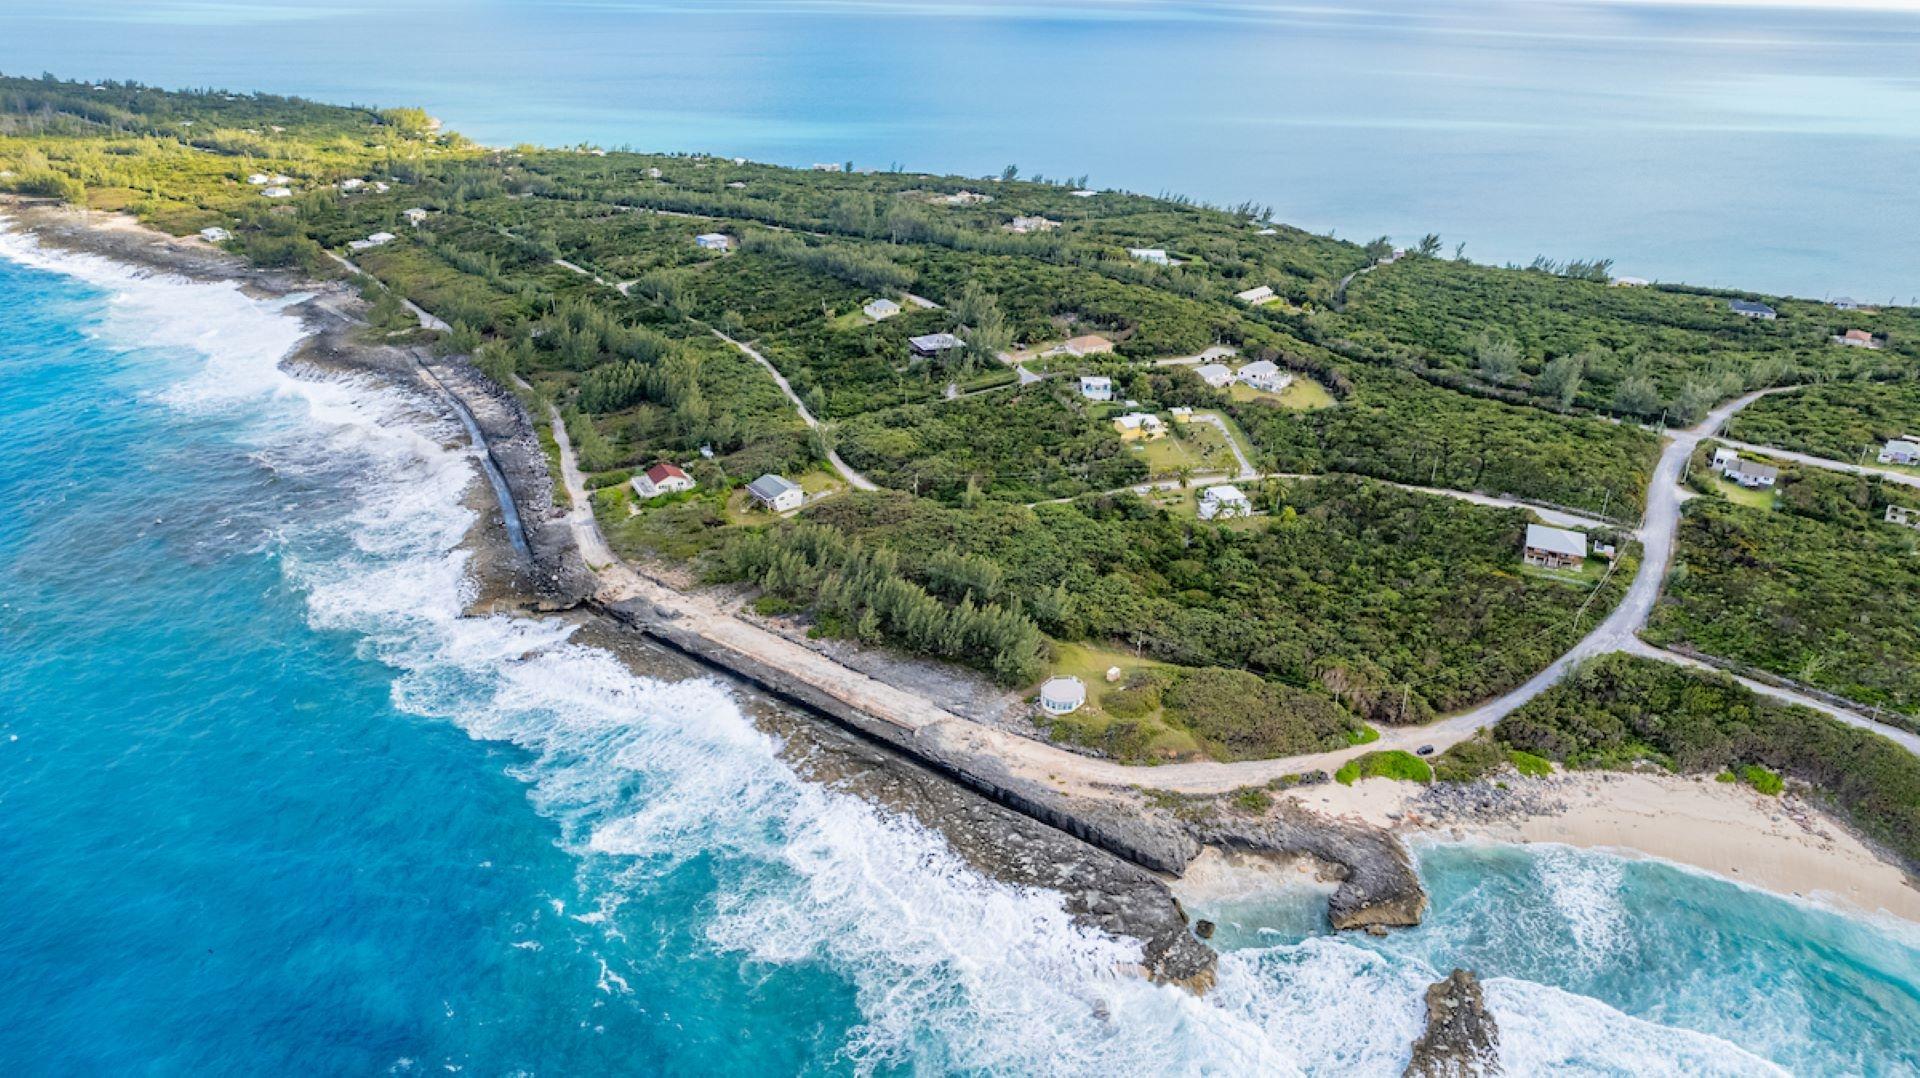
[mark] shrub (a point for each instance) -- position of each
(1391, 764)
(1472, 759)
(1763, 780)
(1537, 767)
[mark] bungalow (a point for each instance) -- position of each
(713, 241)
(1268, 232)
(929, 345)
(414, 216)
(1217, 375)
(1155, 255)
(1083, 193)
(1856, 338)
(1629, 282)
(353, 184)
(1139, 426)
(215, 235)
(1026, 376)
(1265, 375)
(1750, 475)
(1024, 225)
(1903, 516)
(778, 493)
(258, 179)
(1181, 414)
(276, 192)
(654, 174)
(965, 198)
(1747, 308)
(819, 167)
(1217, 503)
(662, 479)
(1847, 303)
(1063, 695)
(1902, 450)
(1095, 387)
(1088, 344)
(881, 309)
(736, 185)
(1554, 548)
(1254, 297)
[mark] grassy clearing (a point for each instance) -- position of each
(1391, 764)
(1761, 499)
(1119, 717)
(1304, 395)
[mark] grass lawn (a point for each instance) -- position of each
(1304, 395)
(1198, 446)
(1144, 738)
(817, 482)
(1586, 576)
(1761, 499)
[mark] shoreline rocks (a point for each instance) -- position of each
(1461, 1039)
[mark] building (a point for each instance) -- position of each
(662, 479)
(821, 167)
(1089, 344)
(966, 198)
(1902, 450)
(881, 309)
(1554, 548)
(1062, 695)
(1223, 501)
(353, 184)
(378, 239)
(258, 179)
(1139, 427)
(1083, 193)
(654, 174)
(1268, 232)
(1723, 458)
(1155, 255)
(713, 241)
(1096, 387)
(1903, 516)
(1847, 303)
(276, 192)
(932, 344)
(1750, 475)
(1265, 375)
(737, 185)
(1217, 375)
(1024, 225)
(1856, 338)
(1747, 308)
(1254, 297)
(414, 216)
(215, 235)
(1629, 282)
(1181, 414)
(778, 493)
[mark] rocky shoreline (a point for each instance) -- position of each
(1107, 856)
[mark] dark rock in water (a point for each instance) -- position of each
(1461, 1038)
(1204, 929)
(1380, 889)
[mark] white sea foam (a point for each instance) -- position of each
(1544, 1030)
(951, 970)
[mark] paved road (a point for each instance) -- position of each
(1889, 474)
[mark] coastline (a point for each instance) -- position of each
(1036, 835)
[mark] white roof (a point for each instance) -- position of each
(1251, 294)
(1260, 368)
(277, 192)
(1225, 492)
(1556, 541)
(1138, 419)
(711, 237)
(1064, 690)
(1910, 443)
(1147, 252)
(1083, 193)
(1096, 381)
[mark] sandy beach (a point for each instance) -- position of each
(1786, 844)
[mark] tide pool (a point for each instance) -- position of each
(273, 805)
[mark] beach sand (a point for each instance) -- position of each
(1782, 844)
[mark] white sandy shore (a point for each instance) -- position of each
(1784, 845)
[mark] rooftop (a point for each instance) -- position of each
(1571, 544)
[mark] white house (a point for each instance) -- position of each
(258, 179)
(1062, 695)
(1024, 225)
(1083, 193)
(1225, 500)
(778, 493)
(378, 239)
(1096, 387)
(1723, 458)
(966, 198)
(1750, 475)
(352, 184)
(1268, 232)
(1747, 308)
(1254, 297)
(1630, 282)
(712, 241)
(1264, 374)
(1847, 303)
(1217, 375)
(662, 479)
(215, 235)
(1902, 450)
(414, 216)
(1026, 376)
(928, 345)
(881, 309)
(1903, 516)
(819, 167)
(1554, 548)
(276, 192)
(1155, 255)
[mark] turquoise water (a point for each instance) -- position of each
(272, 805)
(1767, 149)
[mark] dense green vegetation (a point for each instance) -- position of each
(1819, 589)
(1618, 710)
(1838, 420)
(1390, 764)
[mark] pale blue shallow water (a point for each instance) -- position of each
(269, 804)
(1719, 145)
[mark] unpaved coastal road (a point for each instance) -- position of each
(935, 726)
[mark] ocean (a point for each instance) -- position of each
(1736, 146)
(272, 804)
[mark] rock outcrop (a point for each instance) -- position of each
(1461, 1038)
(1379, 890)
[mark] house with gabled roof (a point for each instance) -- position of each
(1554, 548)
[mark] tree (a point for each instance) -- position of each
(1379, 248)
(1636, 395)
(1499, 358)
(1560, 381)
(1429, 245)
(1010, 173)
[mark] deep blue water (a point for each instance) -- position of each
(270, 804)
(1766, 149)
